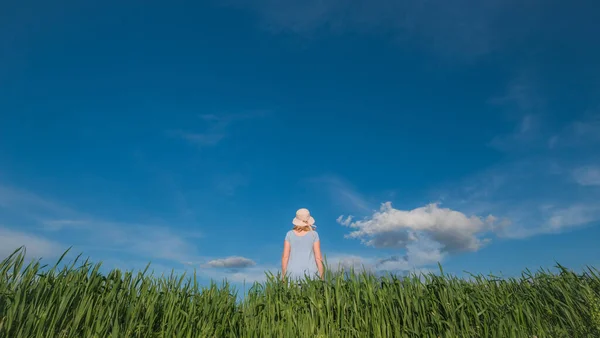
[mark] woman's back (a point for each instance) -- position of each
(302, 255)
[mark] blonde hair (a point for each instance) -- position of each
(303, 228)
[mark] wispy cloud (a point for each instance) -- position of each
(201, 139)
(587, 175)
(216, 128)
(52, 219)
(22, 201)
(584, 132)
(168, 185)
(342, 193)
(572, 216)
(36, 246)
(521, 96)
(225, 120)
(141, 240)
(60, 224)
(460, 28)
(539, 188)
(539, 192)
(536, 197)
(229, 184)
(525, 135)
(124, 244)
(523, 101)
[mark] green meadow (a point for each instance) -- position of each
(77, 300)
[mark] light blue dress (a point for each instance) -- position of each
(302, 256)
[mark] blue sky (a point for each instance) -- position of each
(188, 135)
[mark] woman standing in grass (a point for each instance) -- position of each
(302, 249)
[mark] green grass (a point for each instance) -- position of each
(78, 301)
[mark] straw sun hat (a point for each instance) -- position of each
(303, 218)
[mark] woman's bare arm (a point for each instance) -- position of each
(285, 257)
(318, 258)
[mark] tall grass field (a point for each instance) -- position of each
(76, 300)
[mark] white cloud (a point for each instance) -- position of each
(587, 175)
(425, 236)
(393, 228)
(234, 262)
(345, 222)
(424, 252)
(36, 246)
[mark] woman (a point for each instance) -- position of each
(302, 249)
